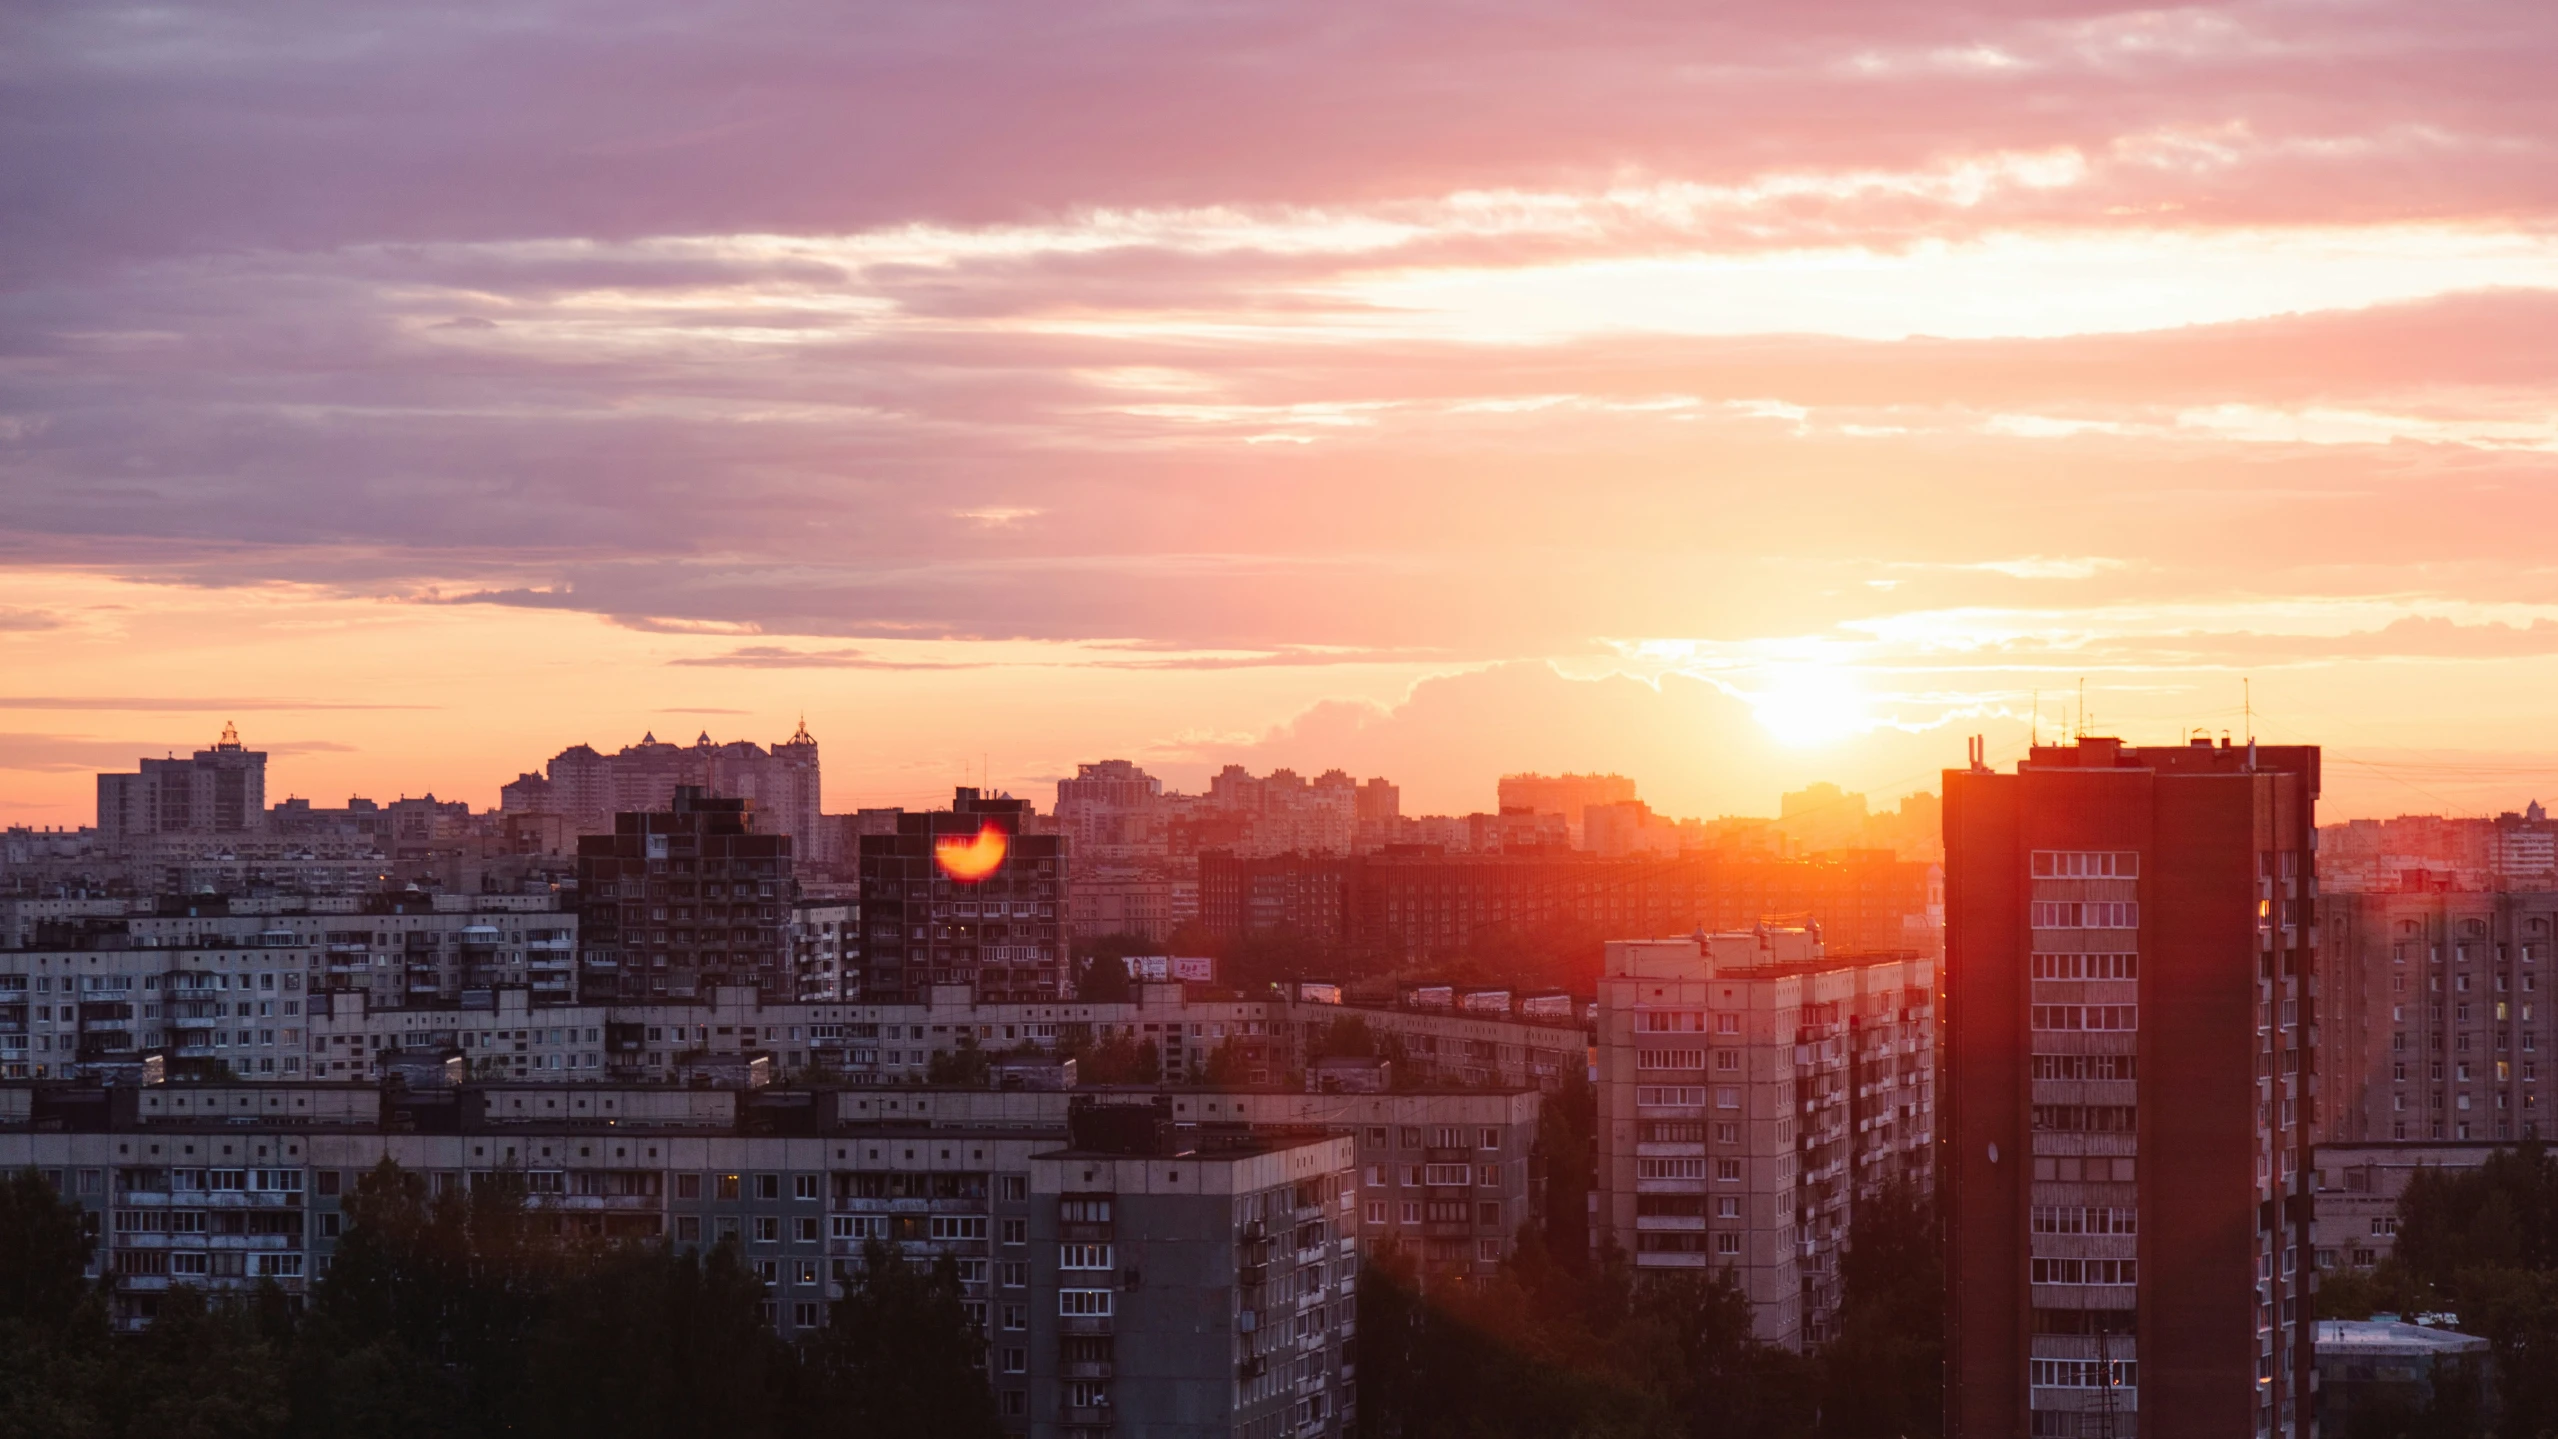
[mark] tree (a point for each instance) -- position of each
(1565, 1152)
(44, 1253)
(1348, 1035)
(1883, 1376)
(966, 1066)
(899, 1355)
(651, 1342)
(1228, 1066)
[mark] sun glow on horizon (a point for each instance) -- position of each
(1811, 706)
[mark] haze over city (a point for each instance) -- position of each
(1242, 720)
(1730, 402)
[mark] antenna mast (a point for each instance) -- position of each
(2247, 705)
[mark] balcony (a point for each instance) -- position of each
(1084, 1324)
(1085, 1369)
(1093, 1418)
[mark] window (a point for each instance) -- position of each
(1083, 1256)
(1488, 1138)
(727, 1188)
(2084, 864)
(959, 1226)
(2085, 1016)
(804, 1315)
(2085, 1271)
(2086, 966)
(1727, 1060)
(1727, 1171)
(1016, 1316)
(1013, 1274)
(768, 1230)
(803, 1186)
(1668, 1096)
(1411, 1211)
(768, 1186)
(1727, 1132)
(804, 1229)
(1374, 1212)
(1015, 1231)
(1084, 1303)
(688, 1186)
(1727, 1024)
(1669, 1059)
(1727, 1243)
(2084, 1373)
(858, 1226)
(1648, 1168)
(1440, 1174)
(2086, 914)
(1086, 1210)
(1670, 1022)
(1016, 1361)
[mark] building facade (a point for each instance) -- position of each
(675, 901)
(221, 790)
(589, 788)
(1752, 1089)
(2129, 1041)
(969, 896)
(2438, 1015)
(1421, 902)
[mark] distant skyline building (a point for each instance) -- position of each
(221, 790)
(1564, 794)
(590, 788)
(2128, 1092)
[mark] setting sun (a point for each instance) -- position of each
(1810, 706)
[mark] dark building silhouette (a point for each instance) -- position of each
(965, 895)
(1418, 901)
(2128, 1025)
(677, 900)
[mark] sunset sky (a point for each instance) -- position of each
(1731, 395)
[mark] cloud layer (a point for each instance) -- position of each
(1969, 347)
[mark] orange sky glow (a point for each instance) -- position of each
(1731, 399)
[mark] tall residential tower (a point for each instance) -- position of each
(2129, 1021)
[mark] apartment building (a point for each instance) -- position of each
(1445, 1175)
(968, 896)
(221, 790)
(1419, 901)
(1751, 1089)
(1202, 1287)
(825, 942)
(588, 788)
(1167, 1279)
(2438, 1015)
(2129, 1081)
(678, 900)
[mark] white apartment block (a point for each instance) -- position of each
(1750, 1087)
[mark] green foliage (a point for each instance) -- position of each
(1543, 1350)
(1347, 1036)
(1120, 1059)
(967, 1067)
(899, 1357)
(2481, 1242)
(42, 1253)
(1102, 980)
(1883, 1376)
(1227, 1066)
(1565, 1153)
(459, 1316)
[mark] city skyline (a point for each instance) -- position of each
(1157, 404)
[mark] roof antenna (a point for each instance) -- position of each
(2038, 718)
(2082, 709)
(2247, 703)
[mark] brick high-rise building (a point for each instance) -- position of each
(2128, 1086)
(589, 788)
(677, 900)
(966, 895)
